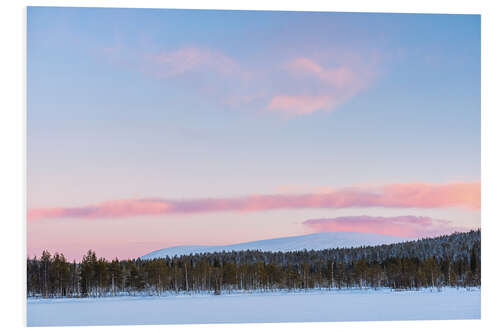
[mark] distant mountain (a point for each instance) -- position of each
(318, 241)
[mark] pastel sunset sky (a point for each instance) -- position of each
(150, 128)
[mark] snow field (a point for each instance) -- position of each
(271, 307)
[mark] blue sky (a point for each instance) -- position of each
(181, 104)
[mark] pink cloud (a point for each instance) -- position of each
(337, 85)
(340, 77)
(190, 59)
(433, 196)
(108, 209)
(414, 195)
(296, 188)
(299, 105)
(403, 226)
(303, 88)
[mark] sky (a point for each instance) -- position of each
(150, 128)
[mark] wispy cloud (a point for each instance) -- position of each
(293, 105)
(333, 87)
(291, 88)
(190, 59)
(340, 77)
(403, 226)
(413, 195)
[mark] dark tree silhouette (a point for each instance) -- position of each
(451, 260)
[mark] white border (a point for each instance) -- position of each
(13, 156)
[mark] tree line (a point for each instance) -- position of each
(451, 260)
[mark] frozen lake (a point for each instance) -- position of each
(345, 305)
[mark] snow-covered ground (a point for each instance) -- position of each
(317, 241)
(345, 305)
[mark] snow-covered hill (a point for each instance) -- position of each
(318, 241)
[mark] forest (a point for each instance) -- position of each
(451, 260)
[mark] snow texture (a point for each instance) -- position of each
(306, 306)
(318, 241)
